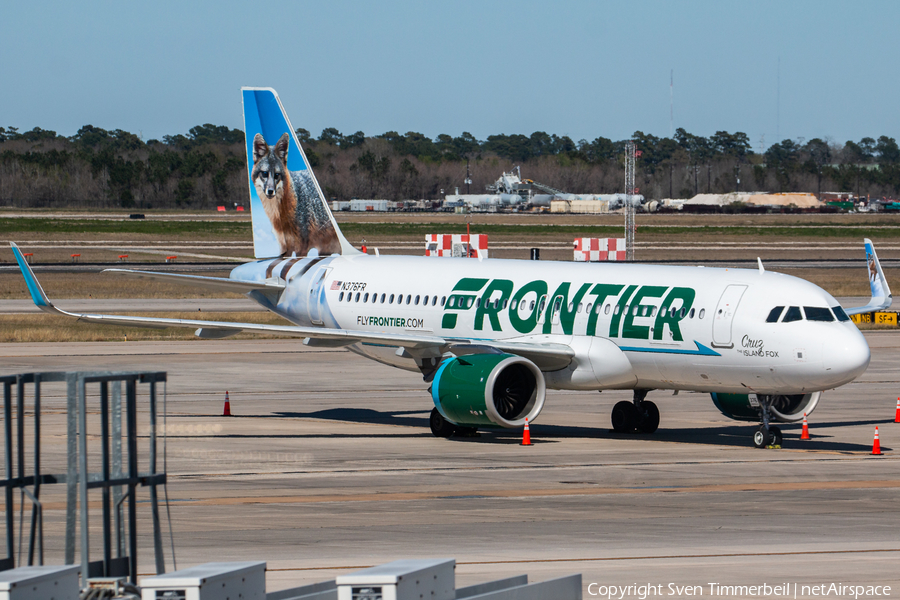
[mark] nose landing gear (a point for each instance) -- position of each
(767, 437)
(639, 415)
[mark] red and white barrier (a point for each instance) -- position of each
(599, 249)
(444, 244)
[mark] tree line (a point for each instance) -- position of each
(206, 167)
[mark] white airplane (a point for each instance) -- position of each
(491, 336)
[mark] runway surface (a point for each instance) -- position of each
(329, 466)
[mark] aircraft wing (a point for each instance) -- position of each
(221, 284)
(546, 356)
(881, 292)
(218, 329)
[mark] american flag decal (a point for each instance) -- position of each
(335, 285)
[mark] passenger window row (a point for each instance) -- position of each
(365, 297)
(497, 303)
(812, 313)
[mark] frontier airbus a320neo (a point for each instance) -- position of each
(491, 336)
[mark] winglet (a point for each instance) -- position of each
(881, 292)
(37, 292)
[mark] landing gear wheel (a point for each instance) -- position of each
(761, 437)
(440, 426)
(467, 432)
(650, 419)
(624, 417)
(775, 437)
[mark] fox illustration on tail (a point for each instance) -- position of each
(290, 216)
(291, 201)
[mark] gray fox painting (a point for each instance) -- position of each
(291, 201)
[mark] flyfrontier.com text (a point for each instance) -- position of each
(721, 590)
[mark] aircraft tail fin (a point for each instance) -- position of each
(881, 292)
(288, 209)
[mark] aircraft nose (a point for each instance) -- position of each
(847, 356)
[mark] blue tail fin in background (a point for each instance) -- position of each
(289, 212)
(881, 292)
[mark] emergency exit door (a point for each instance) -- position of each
(724, 315)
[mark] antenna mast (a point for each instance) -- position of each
(672, 103)
(629, 200)
(468, 180)
(778, 103)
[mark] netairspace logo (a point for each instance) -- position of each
(721, 590)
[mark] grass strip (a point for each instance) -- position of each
(53, 328)
(242, 230)
(12, 226)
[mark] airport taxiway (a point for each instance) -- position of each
(328, 465)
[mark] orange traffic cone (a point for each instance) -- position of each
(897, 418)
(804, 435)
(876, 445)
(526, 435)
(227, 411)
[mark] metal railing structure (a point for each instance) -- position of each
(117, 480)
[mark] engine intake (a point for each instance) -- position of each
(489, 390)
(785, 408)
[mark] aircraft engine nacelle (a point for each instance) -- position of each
(785, 408)
(489, 390)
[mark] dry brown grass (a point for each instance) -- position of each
(92, 284)
(875, 326)
(62, 254)
(841, 282)
(52, 328)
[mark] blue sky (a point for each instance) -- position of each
(577, 68)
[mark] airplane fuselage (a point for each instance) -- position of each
(631, 326)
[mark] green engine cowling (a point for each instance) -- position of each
(488, 390)
(784, 408)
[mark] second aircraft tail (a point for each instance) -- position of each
(881, 292)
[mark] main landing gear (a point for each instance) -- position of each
(767, 436)
(441, 427)
(639, 415)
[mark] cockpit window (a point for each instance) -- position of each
(840, 314)
(774, 314)
(816, 313)
(792, 314)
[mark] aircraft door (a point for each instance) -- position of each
(557, 307)
(724, 315)
(541, 303)
(316, 296)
